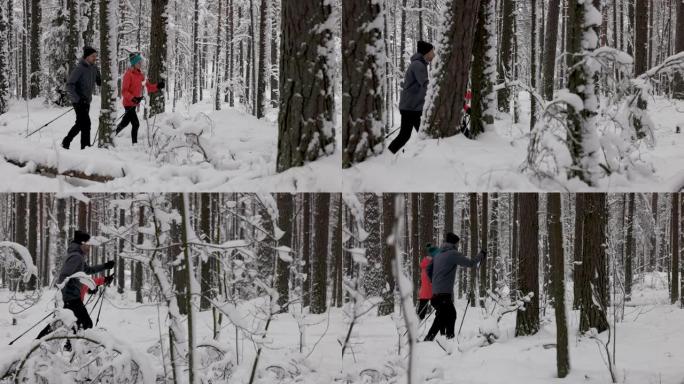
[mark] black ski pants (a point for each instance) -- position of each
(409, 120)
(445, 317)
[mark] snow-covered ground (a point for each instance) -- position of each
(493, 161)
(240, 149)
(650, 344)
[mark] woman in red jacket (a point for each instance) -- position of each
(131, 91)
(425, 293)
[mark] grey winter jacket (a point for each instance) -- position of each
(75, 262)
(415, 85)
(82, 81)
(442, 270)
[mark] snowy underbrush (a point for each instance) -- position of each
(181, 139)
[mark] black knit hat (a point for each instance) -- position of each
(81, 237)
(424, 47)
(87, 51)
(451, 238)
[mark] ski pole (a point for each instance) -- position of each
(470, 295)
(48, 123)
(98, 129)
(101, 302)
(390, 134)
(34, 325)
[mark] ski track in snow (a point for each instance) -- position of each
(493, 161)
(252, 142)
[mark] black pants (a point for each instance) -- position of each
(445, 318)
(130, 117)
(82, 126)
(83, 319)
(409, 121)
(423, 308)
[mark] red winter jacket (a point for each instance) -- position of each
(84, 288)
(132, 86)
(425, 284)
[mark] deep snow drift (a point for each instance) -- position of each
(493, 161)
(193, 149)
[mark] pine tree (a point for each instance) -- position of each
(282, 273)
(158, 38)
(679, 47)
(474, 244)
(484, 70)
(629, 245)
(363, 74)
(35, 77)
(640, 37)
(415, 244)
(319, 269)
(306, 117)
(555, 231)
(263, 46)
(593, 276)
(582, 136)
(484, 244)
(72, 42)
(306, 248)
(550, 39)
(494, 243)
(373, 277)
(446, 91)
(4, 63)
(195, 55)
(274, 17)
(387, 305)
(505, 62)
(33, 235)
(527, 321)
(108, 58)
(674, 222)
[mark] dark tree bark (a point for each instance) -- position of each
(629, 245)
(593, 276)
(362, 94)
(494, 243)
(306, 248)
(158, 38)
(505, 63)
(577, 248)
(483, 63)
(551, 36)
(306, 118)
(320, 254)
(427, 216)
(285, 223)
(195, 54)
(527, 321)
(33, 236)
(448, 87)
(173, 252)
(679, 47)
(555, 231)
(415, 244)
(4, 61)
(120, 264)
(484, 244)
(533, 63)
(35, 77)
(674, 222)
(474, 244)
(108, 60)
(139, 266)
(263, 44)
(338, 255)
(205, 236)
(387, 306)
(640, 37)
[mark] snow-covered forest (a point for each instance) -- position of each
(219, 288)
(563, 95)
(322, 288)
(250, 100)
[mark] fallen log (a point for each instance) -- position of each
(52, 171)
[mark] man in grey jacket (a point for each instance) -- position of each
(80, 87)
(442, 273)
(75, 262)
(412, 96)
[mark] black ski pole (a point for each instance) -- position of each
(101, 302)
(390, 134)
(48, 123)
(470, 295)
(34, 325)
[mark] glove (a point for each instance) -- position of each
(108, 279)
(161, 84)
(138, 99)
(92, 291)
(110, 264)
(484, 252)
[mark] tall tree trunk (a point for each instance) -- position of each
(484, 244)
(33, 236)
(285, 215)
(195, 54)
(505, 62)
(263, 45)
(551, 36)
(35, 77)
(108, 58)
(494, 243)
(679, 47)
(641, 37)
(306, 249)
(629, 245)
(593, 275)
(533, 64)
(338, 253)
(474, 244)
(4, 61)
(555, 231)
(158, 41)
(306, 118)
(275, 16)
(320, 252)
(527, 321)
(674, 222)
(444, 103)
(387, 305)
(577, 248)
(363, 74)
(484, 70)
(415, 244)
